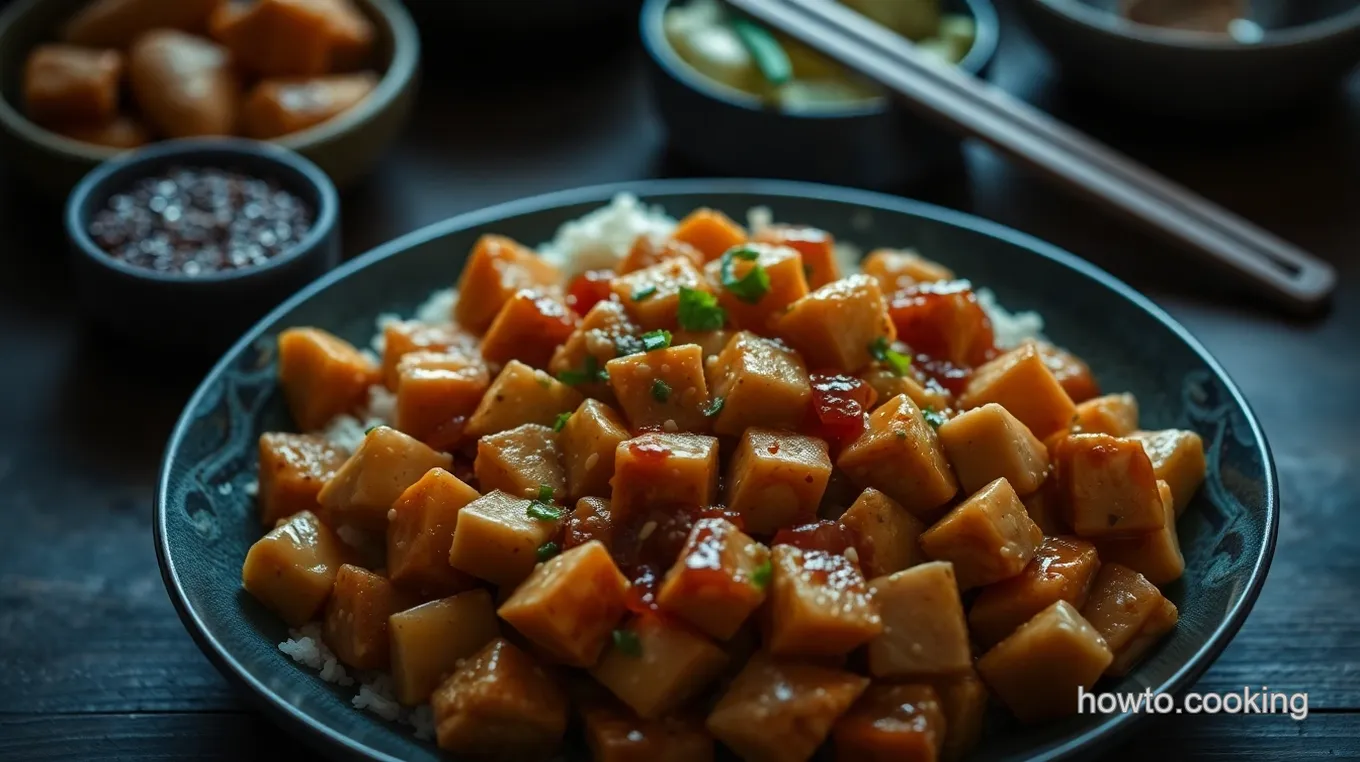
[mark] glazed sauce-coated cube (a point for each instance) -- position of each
(434, 389)
(660, 469)
(757, 310)
(282, 38)
(988, 537)
(497, 538)
(521, 462)
(719, 579)
(819, 604)
(521, 395)
(589, 439)
(362, 491)
(776, 479)
(709, 231)
(184, 85)
(646, 252)
(278, 107)
(69, 84)
(497, 268)
(886, 535)
(652, 295)
(1020, 382)
(429, 640)
(1062, 569)
(528, 328)
(816, 247)
(1177, 458)
(118, 23)
(761, 383)
(421, 530)
(570, 604)
(987, 443)
(292, 569)
(891, 723)
(900, 454)
(500, 704)
(293, 467)
(836, 326)
(897, 270)
(322, 376)
(355, 627)
(1037, 670)
(656, 666)
(662, 389)
(1107, 486)
(924, 632)
(615, 734)
(1130, 613)
(944, 322)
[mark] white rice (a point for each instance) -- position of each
(1011, 328)
(376, 694)
(603, 237)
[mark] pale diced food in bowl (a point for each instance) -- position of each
(696, 515)
(738, 54)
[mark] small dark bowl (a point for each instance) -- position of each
(1307, 50)
(879, 145)
(204, 311)
(348, 147)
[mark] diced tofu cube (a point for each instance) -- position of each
(429, 640)
(1107, 485)
(988, 537)
(401, 337)
(594, 343)
(656, 667)
(816, 247)
(1157, 554)
(1177, 458)
(521, 395)
(964, 701)
(588, 441)
(652, 295)
(886, 534)
(570, 605)
(1113, 414)
(777, 711)
(68, 83)
(436, 388)
(293, 467)
(711, 342)
(500, 704)
(292, 569)
(944, 321)
(1062, 570)
(364, 489)
(819, 604)
(709, 231)
(1072, 373)
(615, 734)
(1045, 508)
(1020, 382)
(757, 308)
(421, 530)
(497, 268)
(924, 632)
(892, 723)
(663, 388)
(719, 579)
(898, 269)
(988, 443)
(836, 326)
(662, 469)
(1037, 670)
(1130, 613)
(322, 376)
(521, 461)
(497, 538)
(355, 627)
(281, 38)
(646, 252)
(887, 383)
(589, 520)
(529, 328)
(776, 479)
(761, 383)
(900, 454)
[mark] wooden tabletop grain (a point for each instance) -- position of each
(94, 662)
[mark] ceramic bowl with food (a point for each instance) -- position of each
(1172, 64)
(728, 110)
(186, 243)
(83, 80)
(698, 534)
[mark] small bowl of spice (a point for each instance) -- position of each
(190, 242)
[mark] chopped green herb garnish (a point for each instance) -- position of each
(369, 430)
(627, 642)
(761, 576)
(882, 351)
(714, 407)
(901, 433)
(935, 418)
(654, 340)
(547, 550)
(699, 310)
(561, 422)
(545, 493)
(590, 372)
(643, 293)
(543, 511)
(752, 286)
(661, 391)
(769, 56)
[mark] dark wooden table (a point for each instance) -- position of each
(94, 662)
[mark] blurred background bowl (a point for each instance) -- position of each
(347, 147)
(876, 144)
(202, 313)
(1308, 48)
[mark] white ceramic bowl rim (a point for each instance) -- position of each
(1112, 23)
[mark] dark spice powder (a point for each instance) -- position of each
(195, 221)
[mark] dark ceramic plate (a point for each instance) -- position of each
(205, 520)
